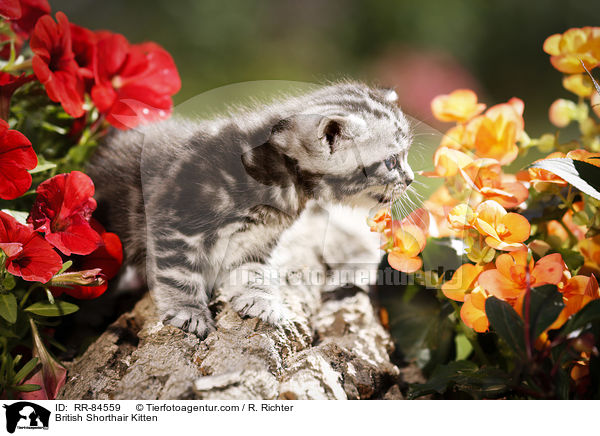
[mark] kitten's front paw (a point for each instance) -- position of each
(256, 303)
(191, 320)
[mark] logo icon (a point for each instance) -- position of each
(26, 415)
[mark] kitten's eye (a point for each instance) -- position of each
(390, 163)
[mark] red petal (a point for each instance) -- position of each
(37, 263)
(77, 238)
(10, 9)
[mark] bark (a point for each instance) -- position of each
(336, 347)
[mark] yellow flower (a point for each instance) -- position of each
(485, 176)
(579, 84)
(503, 230)
(495, 134)
(458, 106)
(576, 45)
(590, 248)
(447, 162)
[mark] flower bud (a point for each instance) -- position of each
(90, 277)
(562, 112)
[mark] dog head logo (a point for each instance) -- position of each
(26, 415)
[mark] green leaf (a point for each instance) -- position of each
(589, 313)
(43, 165)
(463, 346)
(9, 282)
(59, 308)
(8, 307)
(27, 388)
(439, 252)
(484, 382)
(546, 303)
(65, 267)
(25, 370)
(506, 323)
(582, 175)
(7, 333)
(442, 377)
(573, 259)
(563, 384)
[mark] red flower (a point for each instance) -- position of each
(62, 211)
(16, 157)
(8, 85)
(31, 10)
(104, 262)
(84, 50)
(133, 83)
(27, 254)
(10, 9)
(54, 63)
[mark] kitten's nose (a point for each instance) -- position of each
(409, 176)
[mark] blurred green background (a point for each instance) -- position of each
(422, 48)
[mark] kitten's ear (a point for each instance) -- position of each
(389, 94)
(315, 132)
(330, 131)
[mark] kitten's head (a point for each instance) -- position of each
(349, 144)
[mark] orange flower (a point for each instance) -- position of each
(576, 45)
(503, 230)
(577, 292)
(381, 222)
(485, 176)
(408, 240)
(595, 103)
(456, 138)
(463, 281)
(463, 287)
(590, 248)
(543, 180)
(495, 134)
(458, 106)
(472, 311)
(513, 274)
(585, 156)
(448, 162)
(554, 228)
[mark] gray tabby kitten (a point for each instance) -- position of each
(204, 203)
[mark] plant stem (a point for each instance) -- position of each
(25, 65)
(526, 314)
(572, 238)
(28, 293)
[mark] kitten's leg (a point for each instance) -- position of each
(178, 287)
(253, 290)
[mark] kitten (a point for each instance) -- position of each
(204, 203)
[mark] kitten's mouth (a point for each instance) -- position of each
(383, 198)
(390, 194)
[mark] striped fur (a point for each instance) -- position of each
(203, 203)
